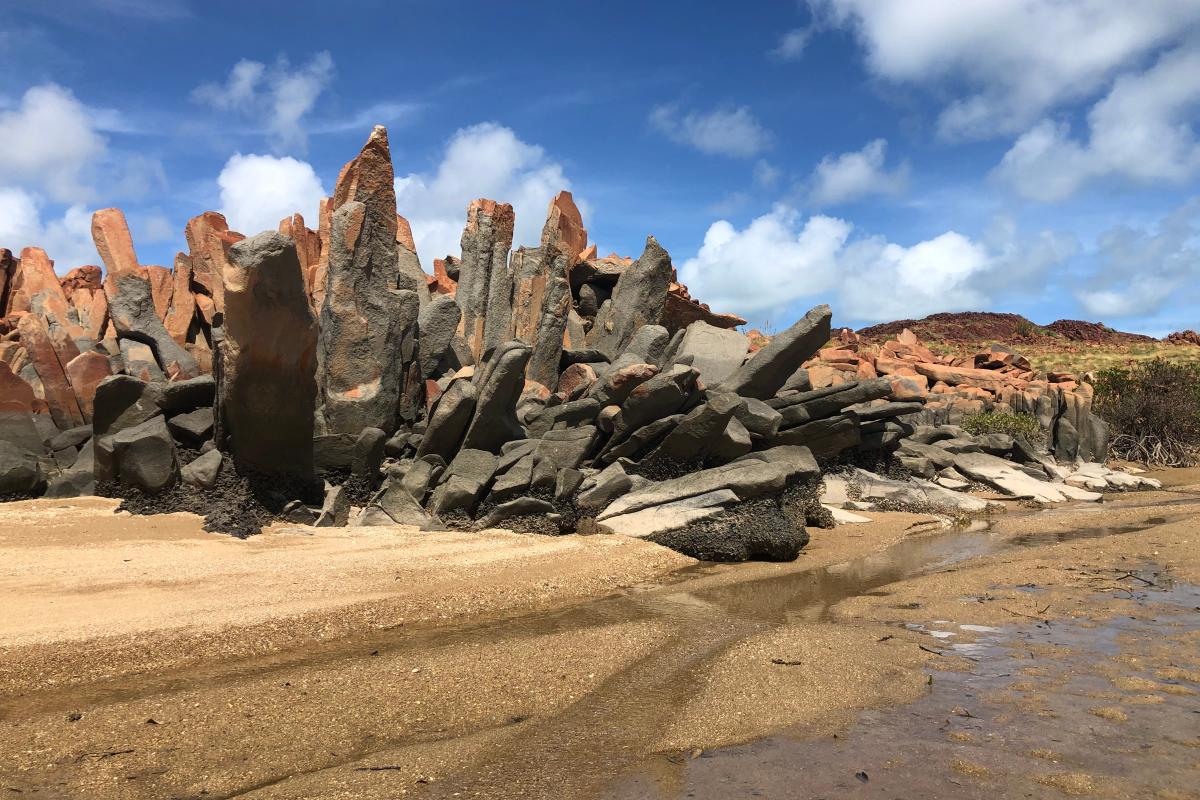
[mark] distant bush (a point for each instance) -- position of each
(1014, 424)
(1154, 410)
(1026, 329)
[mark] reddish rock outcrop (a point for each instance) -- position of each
(209, 239)
(1184, 337)
(36, 289)
(182, 306)
(681, 310)
(15, 394)
(110, 232)
(48, 361)
(564, 229)
(84, 373)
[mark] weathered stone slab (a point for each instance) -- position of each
(266, 386)
(771, 367)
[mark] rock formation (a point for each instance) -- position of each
(542, 388)
(360, 333)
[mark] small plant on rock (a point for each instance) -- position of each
(1012, 423)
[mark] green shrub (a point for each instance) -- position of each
(1154, 410)
(1014, 424)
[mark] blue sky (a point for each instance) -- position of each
(891, 158)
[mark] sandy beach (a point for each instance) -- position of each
(141, 657)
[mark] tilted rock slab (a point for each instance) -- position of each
(767, 371)
(131, 309)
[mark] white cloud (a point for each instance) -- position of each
(771, 263)
(277, 97)
(884, 281)
(850, 176)
(1016, 58)
(67, 240)
(485, 160)
(49, 142)
(791, 44)
(1139, 131)
(1141, 271)
(723, 131)
(258, 191)
(779, 259)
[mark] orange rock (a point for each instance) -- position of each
(681, 311)
(832, 355)
(308, 246)
(907, 337)
(60, 398)
(588, 254)
(890, 365)
(86, 277)
(822, 375)
(182, 307)
(432, 393)
(909, 388)
(564, 228)
(202, 353)
(441, 282)
(534, 391)
(113, 242)
(319, 276)
(15, 393)
(13, 353)
(84, 372)
(956, 375)
(209, 239)
(866, 371)
(35, 288)
(576, 377)
(404, 235)
(162, 286)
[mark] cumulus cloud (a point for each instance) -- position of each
(257, 191)
(723, 131)
(66, 239)
(1017, 59)
(50, 143)
(781, 258)
(791, 44)
(1140, 271)
(485, 160)
(772, 262)
(277, 97)
(1139, 131)
(849, 176)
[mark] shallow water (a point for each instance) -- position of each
(1024, 724)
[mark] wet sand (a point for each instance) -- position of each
(141, 657)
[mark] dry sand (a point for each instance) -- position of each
(143, 658)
